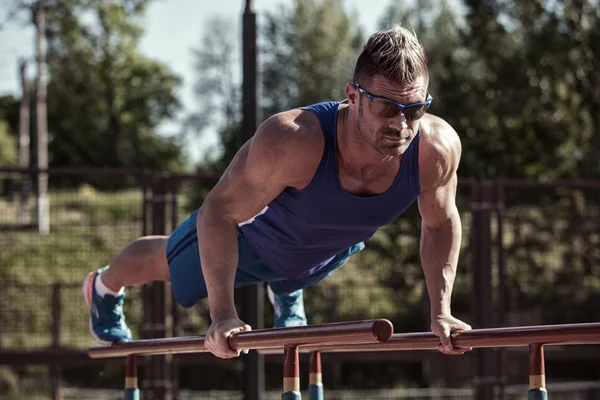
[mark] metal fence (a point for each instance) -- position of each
(530, 256)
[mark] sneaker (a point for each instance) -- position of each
(288, 308)
(107, 322)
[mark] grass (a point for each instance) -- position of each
(89, 227)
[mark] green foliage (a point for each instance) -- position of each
(106, 100)
(308, 54)
(520, 93)
(9, 109)
(88, 228)
(8, 145)
(218, 91)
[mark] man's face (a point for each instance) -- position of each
(380, 123)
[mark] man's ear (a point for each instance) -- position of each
(351, 94)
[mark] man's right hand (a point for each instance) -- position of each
(218, 335)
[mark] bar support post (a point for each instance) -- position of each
(315, 386)
(131, 382)
(537, 374)
(291, 373)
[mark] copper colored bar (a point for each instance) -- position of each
(291, 363)
(131, 367)
(342, 332)
(323, 334)
(536, 359)
(477, 338)
(537, 374)
(131, 373)
(186, 344)
(315, 362)
(291, 372)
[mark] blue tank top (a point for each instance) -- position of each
(300, 231)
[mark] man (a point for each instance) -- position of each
(302, 196)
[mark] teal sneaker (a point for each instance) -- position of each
(107, 322)
(288, 308)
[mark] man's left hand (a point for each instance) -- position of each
(443, 326)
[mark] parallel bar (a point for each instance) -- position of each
(322, 334)
(477, 338)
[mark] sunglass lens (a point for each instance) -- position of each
(384, 108)
(414, 112)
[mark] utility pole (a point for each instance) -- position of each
(254, 364)
(24, 141)
(43, 211)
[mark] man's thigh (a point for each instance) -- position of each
(187, 278)
(286, 286)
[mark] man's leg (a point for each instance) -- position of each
(174, 258)
(287, 295)
(140, 262)
(288, 308)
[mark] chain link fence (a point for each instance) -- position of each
(543, 267)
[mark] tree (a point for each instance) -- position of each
(9, 117)
(307, 55)
(105, 100)
(436, 25)
(218, 90)
(8, 145)
(522, 89)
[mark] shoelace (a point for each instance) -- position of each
(111, 308)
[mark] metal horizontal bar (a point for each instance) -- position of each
(107, 171)
(588, 333)
(324, 334)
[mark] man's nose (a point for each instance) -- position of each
(398, 122)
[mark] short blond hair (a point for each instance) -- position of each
(395, 53)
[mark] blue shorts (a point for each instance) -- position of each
(187, 280)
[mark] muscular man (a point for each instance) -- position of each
(302, 196)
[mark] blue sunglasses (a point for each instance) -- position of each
(387, 108)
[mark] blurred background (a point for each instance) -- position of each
(117, 117)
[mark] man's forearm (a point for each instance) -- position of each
(218, 246)
(440, 248)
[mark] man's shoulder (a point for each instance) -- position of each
(292, 140)
(439, 136)
(439, 151)
(293, 128)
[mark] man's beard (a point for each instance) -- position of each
(376, 140)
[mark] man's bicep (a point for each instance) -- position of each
(438, 204)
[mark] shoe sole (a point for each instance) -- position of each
(87, 295)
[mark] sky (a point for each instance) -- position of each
(172, 29)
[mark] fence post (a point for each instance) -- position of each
(502, 299)
(24, 146)
(174, 188)
(482, 205)
(157, 377)
(254, 365)
(335, 367)
(55, 369)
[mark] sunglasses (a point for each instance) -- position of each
(387, 108)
